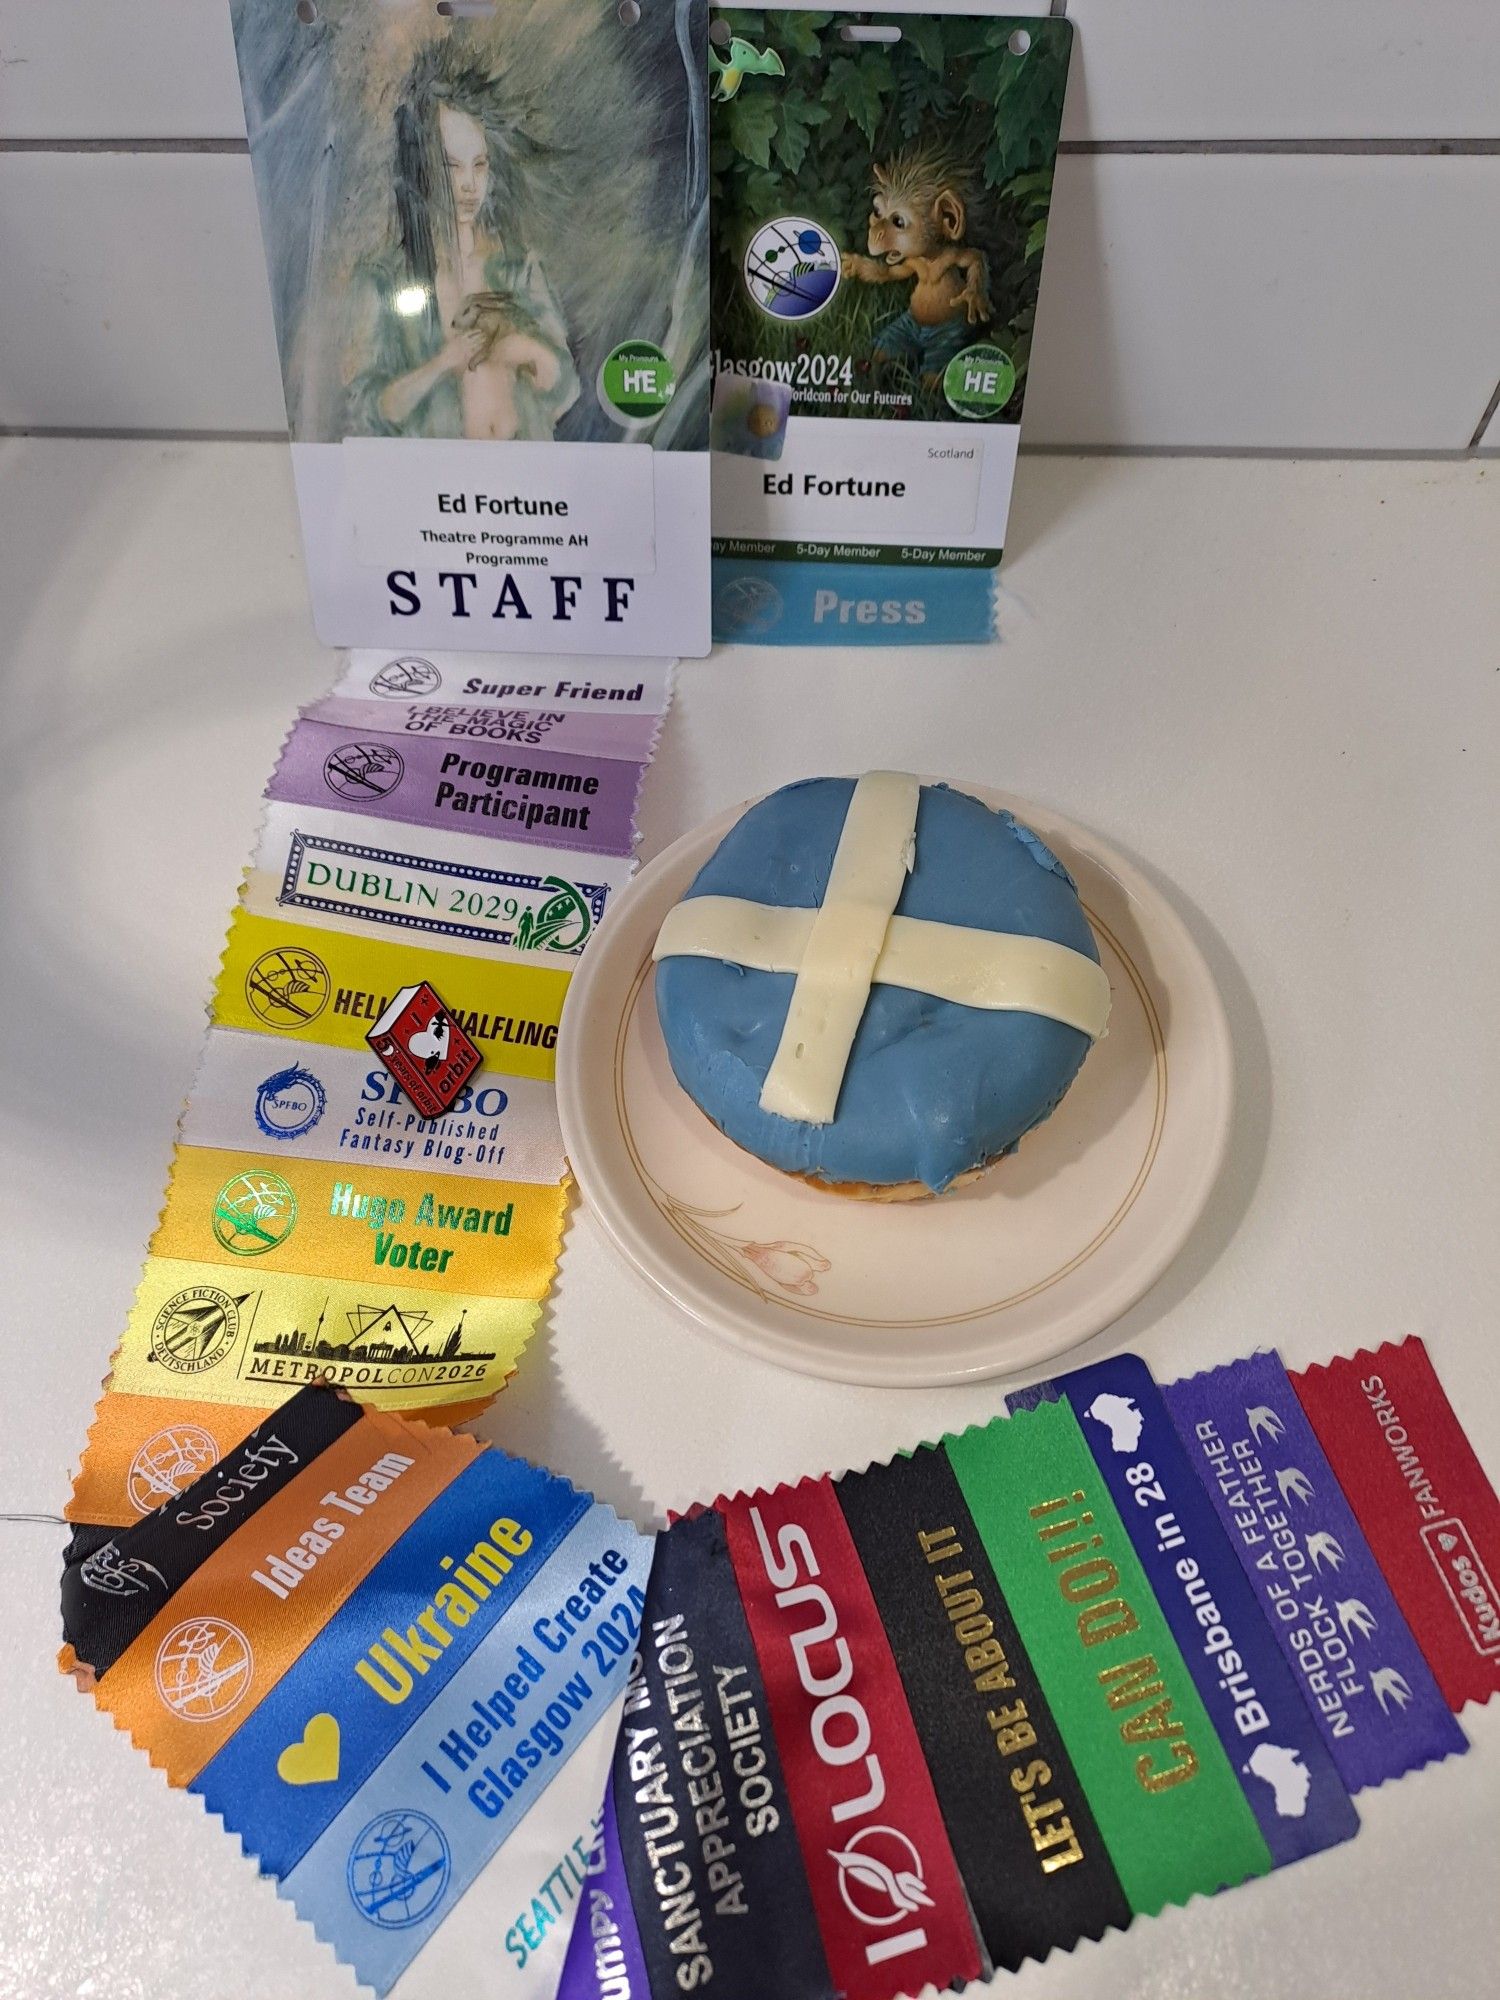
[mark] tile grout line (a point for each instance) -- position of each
(1309, 148)
(138, 145)
(144, 434)
(1432, 148)
(1446, 454)
(1484, 422)
(1281, 453)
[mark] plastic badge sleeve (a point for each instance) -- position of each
(491, 305)
(1422, 1498)
(1366, 1681)
(874, 297)
(1251, 1695)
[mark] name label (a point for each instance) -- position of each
(554, 510)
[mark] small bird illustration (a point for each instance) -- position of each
(742, 60)
(1324, 1548)
(1355, 1616)
(1386, 1681)
(1296, 1483)
(1264, 1422)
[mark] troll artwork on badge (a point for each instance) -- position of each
(920, 221)
(879, 207)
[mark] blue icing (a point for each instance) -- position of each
(932, 1088)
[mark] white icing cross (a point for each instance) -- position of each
(854, 940)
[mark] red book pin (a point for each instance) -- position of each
(424, 1049)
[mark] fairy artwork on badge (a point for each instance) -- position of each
(487, 224)
(466, 212)
(455, 330)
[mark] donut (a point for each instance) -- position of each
(878, 985)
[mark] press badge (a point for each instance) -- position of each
(880, 187)
(485, 229)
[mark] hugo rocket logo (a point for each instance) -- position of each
(882, 1879)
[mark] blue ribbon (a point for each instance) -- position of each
(384, 1874)
(278, 1821)
(850, 604)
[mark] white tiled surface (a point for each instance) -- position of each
(1273, 683)
(1315, 301)
(113, 69)
(1284, 69)
(1149, 69)
(134, 294)
(1232, 302)
(1195, 300)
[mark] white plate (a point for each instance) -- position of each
(1032, 1258)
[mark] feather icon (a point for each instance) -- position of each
(1355, 1616)
(1295, 1483)
(1264, 1423)
(1386, 1681)
(1324, 1548)
(913, 1890)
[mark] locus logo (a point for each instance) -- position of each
(881, 1873)
(880, 1876)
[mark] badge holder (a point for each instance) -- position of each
(880, 188)
(485, 229)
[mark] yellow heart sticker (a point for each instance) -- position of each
(315, 1759)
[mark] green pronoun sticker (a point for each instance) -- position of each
(636, 381)
(980, 381)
